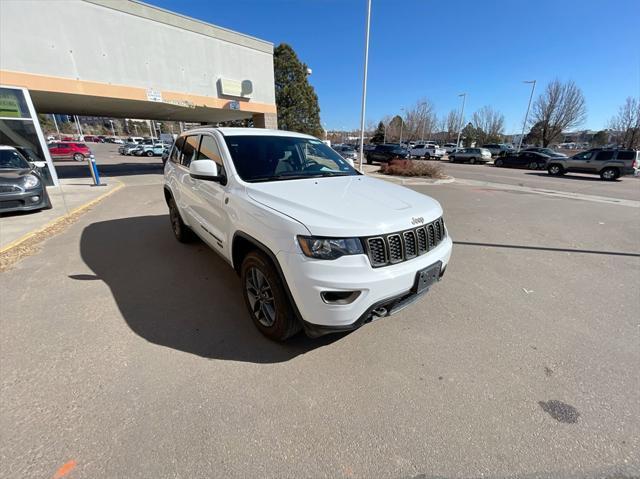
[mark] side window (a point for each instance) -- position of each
(626, 155)
(604, 155)
(209, 151)
(176, 151)
(584, 156)
(189, 150)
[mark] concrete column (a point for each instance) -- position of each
(265, 120)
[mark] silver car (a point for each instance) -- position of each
(470, 155)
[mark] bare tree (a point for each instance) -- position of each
(420, 120)
(489, 124)
(626, 124)
(560, 107)
(450, 124)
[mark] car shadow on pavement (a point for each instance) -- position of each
(570, 176)
(180, 296)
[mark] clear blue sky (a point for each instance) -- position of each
(439, 48)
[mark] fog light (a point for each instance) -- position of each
(35, 199)
(339, 297)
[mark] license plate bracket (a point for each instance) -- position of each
(426, 277)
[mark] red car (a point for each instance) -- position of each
(76, 151)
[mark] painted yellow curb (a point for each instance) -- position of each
(54, 222)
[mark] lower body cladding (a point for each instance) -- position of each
(343, 294)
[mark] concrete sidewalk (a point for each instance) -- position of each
(72, 196)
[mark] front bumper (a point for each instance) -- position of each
(23, 201)
(388, 287)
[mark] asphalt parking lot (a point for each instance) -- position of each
(127, 354)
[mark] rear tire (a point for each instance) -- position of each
(266, 299)
(369, 160)
(180, 230)
(610, 174)
(472, 161)
(149, 153)
(555, 170)
(533, 165)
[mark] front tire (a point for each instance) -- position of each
(499, 163)
(180, 230)
(472, 161)
(555, 170)
(78, 157)
(369, 160)
(533, 165)
(149, 153)
(265, 298)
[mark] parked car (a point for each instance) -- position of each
(449, 147)
(385, 153)
(427, 150)
(135, 139)
(21, 186)
(610, 164)
(346, 151)
(149, 150)
(470, 155)
(289, 236)
(128, 148)
(525, 159)
(498, 149)
(546, 151)
(369, 147)
(72, 150)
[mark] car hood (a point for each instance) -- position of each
(347, 206)
(13, 176)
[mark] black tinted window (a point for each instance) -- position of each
(604, 155)
(626, 155)
(12, 159)
(189, 149)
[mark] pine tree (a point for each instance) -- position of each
(378, 135)
(296, 99)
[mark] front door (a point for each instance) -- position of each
(581, 162)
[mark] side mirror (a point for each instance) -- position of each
(39, 164)
(204, 170)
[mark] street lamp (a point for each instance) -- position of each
(113, 131)
(364, 83)
(464, 98)
(401, 125)
(424, 122)
(526, 116)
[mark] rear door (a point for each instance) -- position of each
(599, 160)
(185, 184)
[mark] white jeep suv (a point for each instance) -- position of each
(317, 245)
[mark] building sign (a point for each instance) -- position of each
(241, 89)
(154, 95)
(12, 104)
(234, 105)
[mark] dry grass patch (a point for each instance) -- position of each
(411, 168)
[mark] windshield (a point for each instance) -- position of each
(271, 158)
(11, 159)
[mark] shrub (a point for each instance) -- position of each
(425, 169)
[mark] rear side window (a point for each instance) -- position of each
(626, 155)
(177, 150)
(189, 150)
(605, 155)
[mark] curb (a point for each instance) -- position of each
(414, 180)
(54, 222)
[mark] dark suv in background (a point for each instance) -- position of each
(610, 164)
(385, 153)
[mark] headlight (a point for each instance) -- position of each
(329, 248)
(30, 181)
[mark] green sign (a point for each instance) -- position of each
(12, 104)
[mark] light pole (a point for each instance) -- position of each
(364, 82)
(385, 134)
(401, 125)
(56, 124)
(424, 122)
(526, 116)
(464, 98)
(113, 131)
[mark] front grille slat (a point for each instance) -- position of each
(404, 245)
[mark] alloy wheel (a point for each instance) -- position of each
(260, 297)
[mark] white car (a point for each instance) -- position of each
(427, 150)
(317, 245)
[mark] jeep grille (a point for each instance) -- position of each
(404, 245)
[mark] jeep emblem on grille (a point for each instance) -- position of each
(417, 221)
